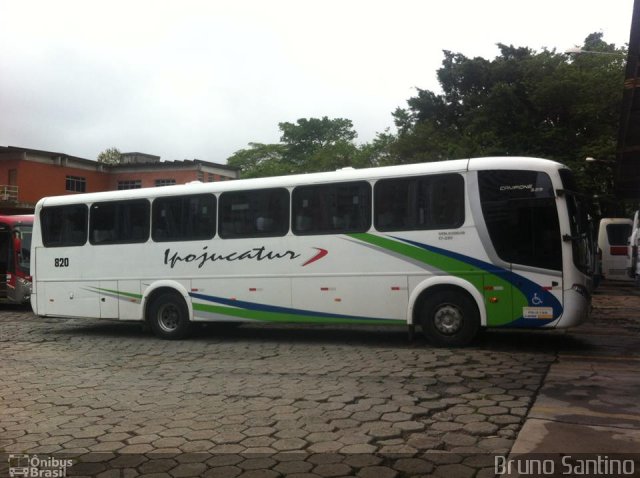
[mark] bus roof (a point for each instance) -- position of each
(340, 175)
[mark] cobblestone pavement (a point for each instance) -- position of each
(264, 401)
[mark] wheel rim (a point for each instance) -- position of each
(168, 318)
(448, 319)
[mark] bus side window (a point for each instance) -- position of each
(119, 222)
(64, 226)
(420, 203)
(254, 213)
(101, 235)
(332, 208)
(184, 218)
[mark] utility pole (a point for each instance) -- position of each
(627, 180)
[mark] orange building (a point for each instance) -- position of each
(27, 175)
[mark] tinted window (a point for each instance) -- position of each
(520, 212)
(64, 226)
(119, 222)
(259, 213)
(184, 218)
(618, 234)
(581, 230)
(24, 252)
(428, 202)
(332, 208)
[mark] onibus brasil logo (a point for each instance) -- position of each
(38, 467)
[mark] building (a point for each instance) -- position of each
(27, 175)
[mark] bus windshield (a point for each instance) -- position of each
(521, 216)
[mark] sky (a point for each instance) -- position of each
(201, 79)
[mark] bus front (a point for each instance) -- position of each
(536, 235)
(580, 251)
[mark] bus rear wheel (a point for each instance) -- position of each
(168, 316)
(449, 318)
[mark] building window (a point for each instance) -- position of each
(76, 184)
(211, 178)
(129, 184)
(165, 182)
(200, 176)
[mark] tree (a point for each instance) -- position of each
(378, 152)
(308, 136)
(260, 160)
(308, 145)
(110, 156)
(522, 102)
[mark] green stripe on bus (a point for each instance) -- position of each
(264, 316)
(501, 314)
(117, 292)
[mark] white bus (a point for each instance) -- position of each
(451, 247)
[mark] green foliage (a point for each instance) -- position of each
(313, 144)
(527, 103)
(110, 156)
(308, 136)
(260, 160)
(521, 103)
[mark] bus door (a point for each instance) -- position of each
(521, 218)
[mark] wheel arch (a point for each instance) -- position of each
(161, 287)
(432, 284)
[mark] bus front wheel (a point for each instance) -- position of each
(449, 318)
(168, 316)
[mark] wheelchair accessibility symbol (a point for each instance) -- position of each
(535, 300)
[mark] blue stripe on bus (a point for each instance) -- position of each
(241, 304)
(526, 286)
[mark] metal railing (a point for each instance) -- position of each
(8, 193)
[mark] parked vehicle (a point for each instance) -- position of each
(15, 256)
(451, 246)
(613, 242)
(634, 243)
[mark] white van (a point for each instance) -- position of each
(634, 244)
(613, 242)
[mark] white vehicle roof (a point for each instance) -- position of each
(345, 174)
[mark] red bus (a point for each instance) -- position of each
(15, 255)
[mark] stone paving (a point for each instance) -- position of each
(263, 401)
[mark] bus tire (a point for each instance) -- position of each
(449, 318)
(168, 316)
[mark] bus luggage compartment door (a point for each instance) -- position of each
(108, 298)
(68, 299)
